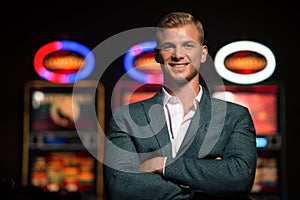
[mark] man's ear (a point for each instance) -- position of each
(157, 55)
(204, 53)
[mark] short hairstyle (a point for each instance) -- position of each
(179, 19)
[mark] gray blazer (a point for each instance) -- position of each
(139, 131)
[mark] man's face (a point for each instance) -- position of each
(180, 53)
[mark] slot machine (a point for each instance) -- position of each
(62, 140)
(246, 67)
(265, 103)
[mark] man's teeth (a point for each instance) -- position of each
(179, 65)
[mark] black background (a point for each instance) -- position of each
(26, 26)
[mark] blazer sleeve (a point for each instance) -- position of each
(234, 173)
(122, 178)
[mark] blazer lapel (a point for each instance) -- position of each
(157, 120)
(198, 124)
(214, 128)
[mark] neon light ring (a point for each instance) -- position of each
(85, 71)
(245, 78)
(132, 71)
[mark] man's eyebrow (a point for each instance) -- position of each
(165, 43)
(168, 43)
(191, 41)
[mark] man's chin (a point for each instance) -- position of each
(178, 80)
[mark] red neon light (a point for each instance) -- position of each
(60, 77)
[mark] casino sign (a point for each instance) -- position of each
(245, 62)
(64, 61)
(139, 63)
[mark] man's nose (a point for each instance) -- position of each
(178, 53)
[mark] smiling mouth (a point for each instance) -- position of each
(178, 66)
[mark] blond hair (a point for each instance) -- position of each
(179, 19)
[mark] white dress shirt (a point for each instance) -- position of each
(177, 122)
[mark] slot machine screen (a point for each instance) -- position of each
(262, 102)
(57, 115)
(267, 179)
(127, 92)
(53, 109)
(68, 171)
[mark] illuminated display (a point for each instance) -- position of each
(261, 142)
(57, 115)
(56, 110)
(262, 102)
(266, 65)
(58, 77)
(133, 58)
(63, 171)
(245, 62)
(266, 175)
(65, 62)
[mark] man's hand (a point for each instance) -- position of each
(155, 165)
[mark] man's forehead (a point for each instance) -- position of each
(170, 35)
(180, 33)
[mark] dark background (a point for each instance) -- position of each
(25, 27)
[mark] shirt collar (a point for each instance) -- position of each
(167, 96)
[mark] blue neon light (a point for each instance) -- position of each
(86, 53)
(131, 54)
(85, 71)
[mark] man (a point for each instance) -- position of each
(181, 143)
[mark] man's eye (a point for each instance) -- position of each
(189, 46)
(168, 47)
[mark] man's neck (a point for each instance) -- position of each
(186, 93)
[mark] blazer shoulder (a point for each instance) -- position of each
(155, 99)
(233, 112)
(138, 104)
(138, 109)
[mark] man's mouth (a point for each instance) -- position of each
(178, 66)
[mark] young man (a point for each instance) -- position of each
(181, 143)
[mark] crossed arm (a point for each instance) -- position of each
(231, 174)
(123, 179)
(127, 178)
